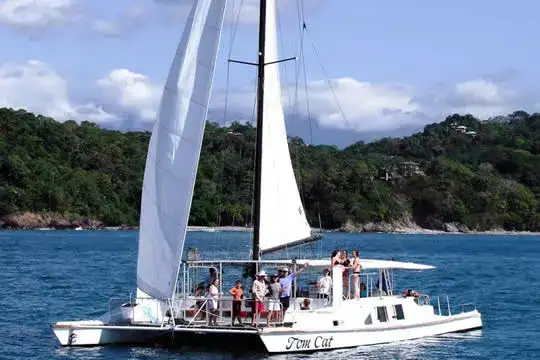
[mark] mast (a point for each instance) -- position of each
(258, 146)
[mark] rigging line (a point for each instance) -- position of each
(342, 113)
(235, 27)
(303, 30)
(278, 18)
(295, 110)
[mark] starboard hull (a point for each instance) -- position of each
(307, 341)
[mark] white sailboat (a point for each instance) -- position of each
(166, 310)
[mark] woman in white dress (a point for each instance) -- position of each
(213, 300)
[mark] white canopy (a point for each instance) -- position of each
(366, 263)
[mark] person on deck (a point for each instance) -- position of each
(274, 308)
(286, 280)
(306, 305)
(212, 302)
(212, 276)
(335, 258)
(346, 262)
(363, 290)
(356, 268)
(237, 294)
(325, 285)
(259, 291)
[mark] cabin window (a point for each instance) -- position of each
(368, 320)
(399, 312)
(382, 315)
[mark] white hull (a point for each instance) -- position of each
(94, 333)
(274, 340)
(280, 340)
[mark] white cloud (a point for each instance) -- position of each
(35, 13)
(36, 87)
(379, 107)
(134, 93)
(123, 96)
(362, 106)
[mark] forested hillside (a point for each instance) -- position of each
(472, 174)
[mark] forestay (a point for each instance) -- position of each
(174, 149)
(283, 221)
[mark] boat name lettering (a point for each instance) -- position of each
(317, 342)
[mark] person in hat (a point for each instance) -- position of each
(259, 291)
(325, 284)
(286, 280)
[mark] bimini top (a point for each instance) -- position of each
(370, 264)
(325, 263)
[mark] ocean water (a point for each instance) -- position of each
(47, 276)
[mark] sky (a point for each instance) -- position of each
(373, 68)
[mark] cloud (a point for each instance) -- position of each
(36, 87)
(480, 97)
(36, 17)
(130, 93)
(126, 99)
(35, 13)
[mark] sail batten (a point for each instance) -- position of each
(174, 150)
(283, 220)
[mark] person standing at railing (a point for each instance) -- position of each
(259, 291)
(346, 262)
(356, 267)
(325, 285)
(238, 293)
(286, 280)
(212, 304)
(274, 308)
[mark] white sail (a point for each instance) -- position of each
(283, 220)
(174, 149)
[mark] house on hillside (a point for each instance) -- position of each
(461, 129)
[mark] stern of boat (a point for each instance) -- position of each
(85, 333)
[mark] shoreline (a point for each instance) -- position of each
(211, 229)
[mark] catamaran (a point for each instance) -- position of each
(171, 308)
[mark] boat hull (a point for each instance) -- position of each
(270, 340)
(87, 334)
(283, 341)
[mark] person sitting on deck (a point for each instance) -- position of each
(410, 292)
(306, 305)
(237, 294)
(286, 280)
(325, 285)
(199, 302)
(363, 290)
(259, 291)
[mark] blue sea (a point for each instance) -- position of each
(47, 276)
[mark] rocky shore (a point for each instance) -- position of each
(52, 221)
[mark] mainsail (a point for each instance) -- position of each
(174, 149)
(283, 220)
